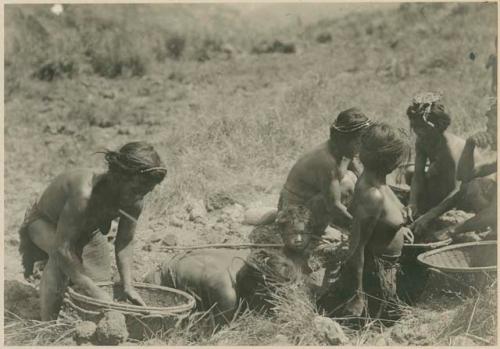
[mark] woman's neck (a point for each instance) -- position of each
(335, 149)
(374, 177)
(105, 188)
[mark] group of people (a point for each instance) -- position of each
(343, 182)
(448, 172)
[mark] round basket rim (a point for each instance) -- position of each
(191, 302)
(422, 257)
(429, 244)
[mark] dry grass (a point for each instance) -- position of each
(18, 331)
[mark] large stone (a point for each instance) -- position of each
(21, 299)
(259, 215)
(85, 332)
(112, 329)
(330, 330)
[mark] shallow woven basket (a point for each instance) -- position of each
(462, 258)
(166, 306)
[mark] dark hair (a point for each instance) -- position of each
(262, 273)
(293, 214)
(349, 122)
(383, 148)
(433, 114)
(136, 158)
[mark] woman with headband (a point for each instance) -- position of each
(75, 212)
(321, 180)
(440, 150)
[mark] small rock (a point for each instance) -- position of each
(281, 340)
(380, 340)
(462, 341)
(324, 37)
(124, 131)
(330, 330)
(154, 342)
(398, 335)
(154, 237)
(112, 329)
(235, 212)
(85, 332)
(67, 342)
(170, 240)
(196, 210)
(221, 228)
(107, 94)
(176, 222)
(218, 200)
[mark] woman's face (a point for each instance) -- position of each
(134, 188)
(420, 127)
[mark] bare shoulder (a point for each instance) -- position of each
(454, 141)
(370, 199)
(78, 185)
(317, 157)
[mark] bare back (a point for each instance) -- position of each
(441, 176)
(310, 173)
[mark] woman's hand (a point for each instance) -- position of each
(420, 225)
(408, 235)
(481, 139)
(409, 213)
(133, 296)
(355, 306)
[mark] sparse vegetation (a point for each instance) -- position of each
(96, 77)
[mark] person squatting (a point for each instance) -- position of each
(344, 183)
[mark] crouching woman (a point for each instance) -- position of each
(367, 283)
(75, 211)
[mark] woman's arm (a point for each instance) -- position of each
(124, 249)
(467, 168)
(366, 217)
(332, 192)
(450, 201)
(417, 182)
(68, 232)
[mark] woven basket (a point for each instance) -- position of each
(462, 258)
(166, 306)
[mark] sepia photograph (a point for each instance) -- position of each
(259, 173)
